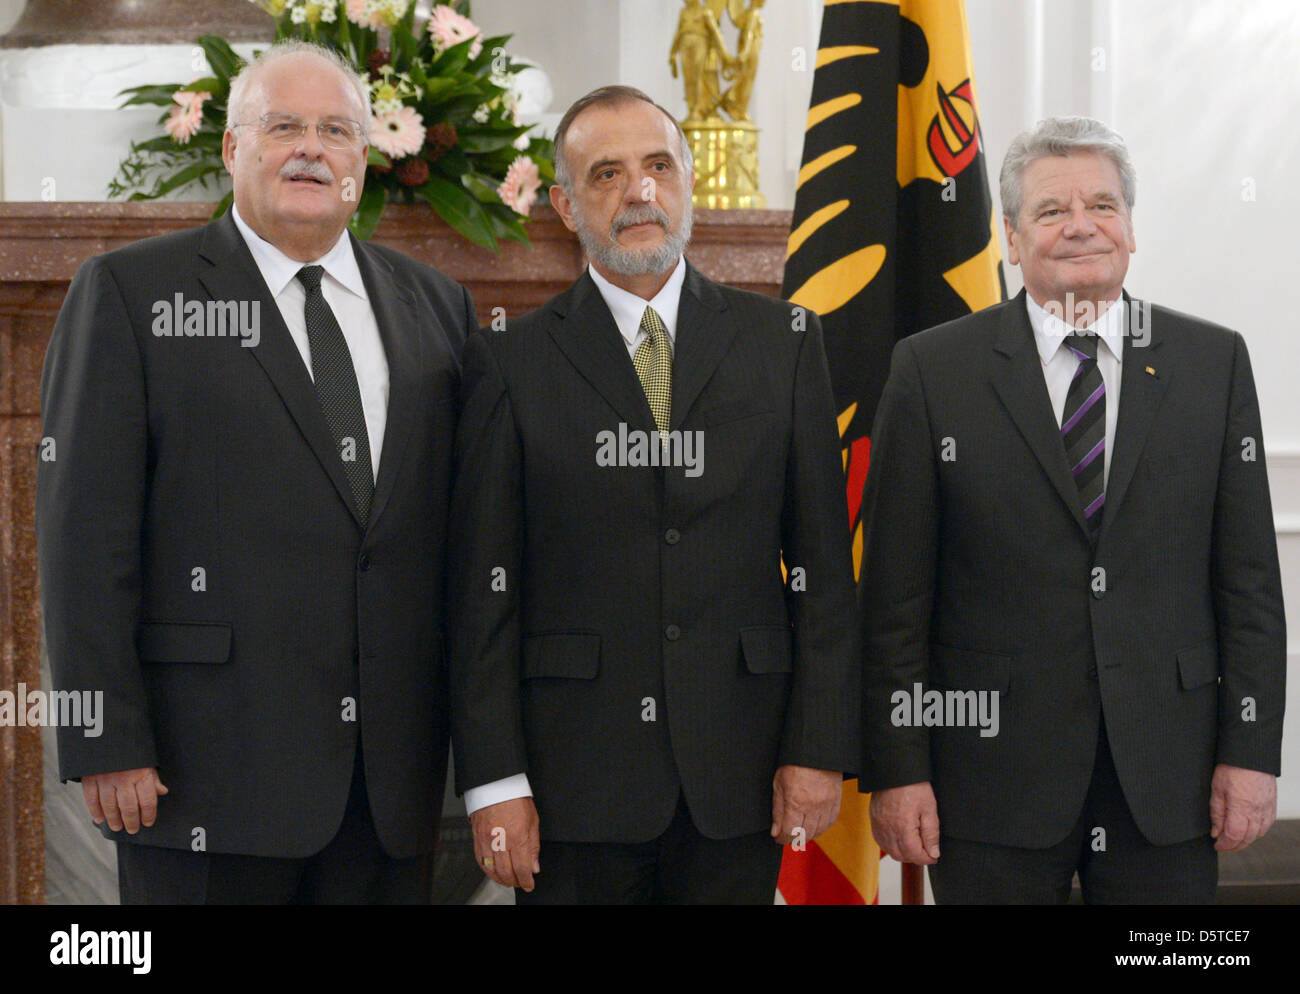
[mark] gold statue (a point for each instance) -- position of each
(702, 50)
(743, 66)
(725, 150)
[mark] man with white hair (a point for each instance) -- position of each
(241, 538)
(1074, 637)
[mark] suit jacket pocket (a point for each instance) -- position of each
(183, 641)
(731, 410)
(969, 669)
(768, 648)
(572, 655)
(1198, 664)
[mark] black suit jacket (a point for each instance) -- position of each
(645, 643)
(197, 453)
(979, 574)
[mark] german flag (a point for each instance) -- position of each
(894, 231)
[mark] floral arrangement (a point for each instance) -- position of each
(445, 128)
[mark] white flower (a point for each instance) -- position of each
(298, 15)
(522, 142)
(483, 113)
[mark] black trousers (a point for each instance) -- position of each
(680, 867)
(352, 869)
(1116, 865)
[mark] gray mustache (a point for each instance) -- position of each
(639, 215)
(307, 167)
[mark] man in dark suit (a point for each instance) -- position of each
(241, 534)
(1069, 537)
(630, 671)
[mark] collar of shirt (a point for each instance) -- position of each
(1050, 330)
(628, 308)
(279, 270)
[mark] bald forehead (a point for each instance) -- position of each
(300, 71)
(606, 130)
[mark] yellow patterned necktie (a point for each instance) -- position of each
(654, 365)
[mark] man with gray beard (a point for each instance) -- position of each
(642, 705)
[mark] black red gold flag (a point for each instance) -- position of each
(894, 231)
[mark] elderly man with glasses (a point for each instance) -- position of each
(241, 537)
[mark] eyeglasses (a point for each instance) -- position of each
(337, 133)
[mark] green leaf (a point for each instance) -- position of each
(474, 141)
(455, 206)
(460, 109)
(223, 59)
(345, 33)
(377, 158)
(223, 204)
(452, 60)
(369, 210)
(160, 143)
(158, 95)
(187, 175)
(483, 188)
(454, 162)
(208, 84)
(506, 223)
(490, 46)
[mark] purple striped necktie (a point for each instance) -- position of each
(1083, 428)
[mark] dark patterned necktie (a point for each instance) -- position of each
(336, 385)
(1083, 428)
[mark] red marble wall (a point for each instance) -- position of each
(41, 246)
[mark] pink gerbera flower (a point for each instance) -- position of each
(449, 28)
(519, 191)
(362, 13)
(398, 134)
(187, 116)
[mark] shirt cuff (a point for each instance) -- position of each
(496, 792)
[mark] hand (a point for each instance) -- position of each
(905, 823)
(128, 797)
(1243, 806)
(506, 834)
(804, 799)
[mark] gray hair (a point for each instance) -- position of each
(608, 96)
(239, 84)
(1062, 136)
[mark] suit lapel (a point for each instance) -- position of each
(1018, 379)
(233, 275)
(587, 335)
(703, 338)
(392, 304)
(1140, 394)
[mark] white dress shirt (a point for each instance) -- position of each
(1059, 363)
(627, 309)
(345, 292)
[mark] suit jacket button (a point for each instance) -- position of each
(672, 536)
(363, 563)
(672, 633)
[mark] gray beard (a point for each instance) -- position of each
(634, 262)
